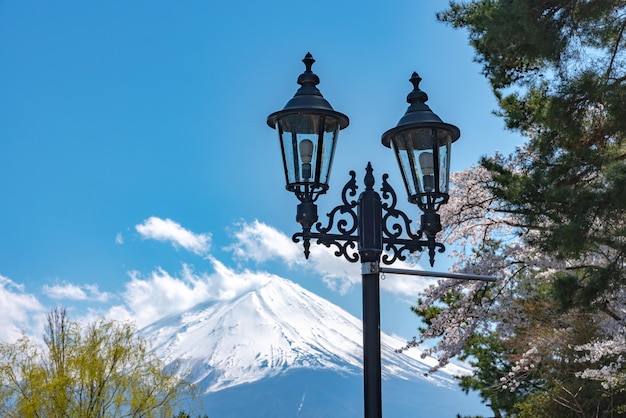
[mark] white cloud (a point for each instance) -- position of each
(405, 285)
(260, 242)
(20, 311)
(168, 230)
(75, 292)
(147, 299)
(337, 273)
(340, 275)
(119, 239)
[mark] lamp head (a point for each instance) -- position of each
(308, 128)
(421, 142)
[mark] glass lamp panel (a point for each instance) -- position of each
(423, 155)
(327, 148)
(414, 152)
(407, 168)
(308, 144)
(445, 144)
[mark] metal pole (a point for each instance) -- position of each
(372, 384)
(370, 218)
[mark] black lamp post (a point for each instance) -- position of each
(370, 230)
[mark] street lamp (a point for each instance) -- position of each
(370, 230)
(308, 128)
(421, 142)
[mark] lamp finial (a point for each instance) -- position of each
(308, 79)
(417, 98)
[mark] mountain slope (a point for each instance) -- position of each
(308, 393)
(277, 328)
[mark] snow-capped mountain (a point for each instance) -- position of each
(267, 331)
(276, 333)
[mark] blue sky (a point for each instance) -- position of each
(138, 175)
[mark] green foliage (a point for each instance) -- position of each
(567, 401)
(558, 71)
(557, 68)
(498, 29)
(100, 370)
(488, 355)
(485, 352)
(432, 311)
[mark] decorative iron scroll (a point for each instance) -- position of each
(395, 223)
(346, 218)
(397, 236)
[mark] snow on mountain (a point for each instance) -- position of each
(276, 328)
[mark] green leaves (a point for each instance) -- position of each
(550, 219)
(513, 39)
(103, 369)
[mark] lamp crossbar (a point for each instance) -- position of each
(426, 273)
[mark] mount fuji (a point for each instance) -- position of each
(282, 351)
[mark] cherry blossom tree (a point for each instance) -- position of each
(526, 348)
(548, 338)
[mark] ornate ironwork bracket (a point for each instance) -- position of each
(398, 239)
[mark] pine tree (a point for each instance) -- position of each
(558, 69)
(549, 338)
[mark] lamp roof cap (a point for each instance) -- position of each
(419, 115)
(308, 98)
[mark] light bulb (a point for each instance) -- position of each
(427, 164)
(306, 151)
(306, 155)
